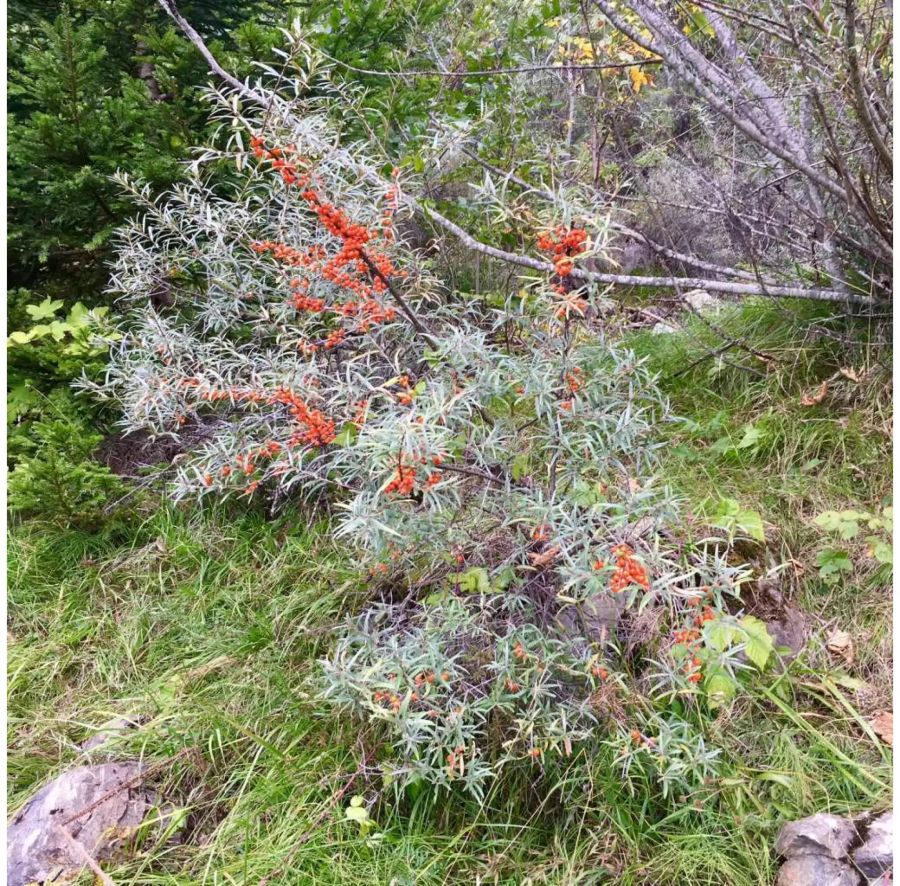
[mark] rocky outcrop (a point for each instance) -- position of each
(84, 815)
(827, 850)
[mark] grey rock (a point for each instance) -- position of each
(820, 834)
(816, 870)
(663, 329)
(785, 622)
(595, 620)
(701, 301)
(876, 855)
(38, 850)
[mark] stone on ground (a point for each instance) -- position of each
(38, 850)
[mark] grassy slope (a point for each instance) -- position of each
(210, 624)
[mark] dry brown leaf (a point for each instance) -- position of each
(852, 374)
(840, 643)
(818, 397)
(882, 723)
(547, 557)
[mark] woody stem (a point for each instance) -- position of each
(401, 301)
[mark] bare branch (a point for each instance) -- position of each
(676, 283)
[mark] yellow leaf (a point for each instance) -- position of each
(639, 78)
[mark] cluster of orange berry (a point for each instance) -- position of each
(289, 170)
(628, 570)
(575, 380)
(392, 699)
(599, 671)
(405, 396)
(319, 428)
(540, 533)
(354, 268)
(302, 301)
(403, 481)
(285, 254)
(638, 738)
(429, 678)
(690, 638)
(563, 244)
(405, 476)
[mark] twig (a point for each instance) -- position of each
(86, 857)
(401, 301)
(493, 72)
(128, 783)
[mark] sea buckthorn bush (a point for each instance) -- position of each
(492, 463)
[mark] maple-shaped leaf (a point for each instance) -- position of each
(816, 398)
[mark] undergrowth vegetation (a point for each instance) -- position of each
(207, 626)
(401, 568)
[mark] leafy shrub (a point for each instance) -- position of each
(54, 477)
(837, 562)
(493, 462)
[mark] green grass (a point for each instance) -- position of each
(209, 625)
(749, 437)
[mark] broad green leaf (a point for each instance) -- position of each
(357, 813)
(735, 520)
(719, 635)
(473, 581)
(844, 523)
(78, 315)
(347, 435)
(520, 466)
(59, 330)
(719, 688)
(753, 436)
(881, 550)
(832, 563)
(758, 639)
(45, 310)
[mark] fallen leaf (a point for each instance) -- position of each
(840, 643)
(548, 556)
(882, 723)
(818, 397)
(852, 374)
